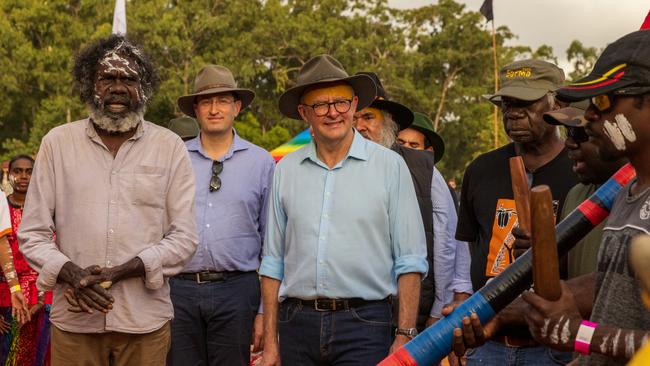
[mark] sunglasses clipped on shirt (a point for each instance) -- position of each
(604, 102)
(215, 181)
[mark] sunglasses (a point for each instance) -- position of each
(577, 134)
(605, 102)
(215, 181)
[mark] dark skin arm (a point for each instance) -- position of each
(89, 286)
(474, 334)
(548, 319)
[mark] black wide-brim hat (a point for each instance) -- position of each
(214, 79)
(325, 69)
(423, 124)
(623, 63)
(401, 114)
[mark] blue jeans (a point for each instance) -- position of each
(356, 337)
(213, 321)
(494, 353)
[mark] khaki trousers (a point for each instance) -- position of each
(110, 349)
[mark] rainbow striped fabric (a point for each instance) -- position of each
(294, 144)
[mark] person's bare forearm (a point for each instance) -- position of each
(408, 286)
(583, 289)
(617, 342)
(7, 262)
(270, 288)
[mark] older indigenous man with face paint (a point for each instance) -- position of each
(344, 233)
(618, 123)
(380, 122)
(119, 193)
(487, 209)
(217, 296)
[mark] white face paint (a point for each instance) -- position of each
(544, 330)
(615, 342)
(625, 127)
(114, 62)
(604, 343)
(629, 345)
(566, 333)
(615, 135)
(554, 337)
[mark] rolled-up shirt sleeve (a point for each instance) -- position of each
(168, 257)
(36, 233)
(405, 224)
(273, 252)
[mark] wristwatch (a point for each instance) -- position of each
(408, 332)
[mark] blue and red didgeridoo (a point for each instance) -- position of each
(434, 344)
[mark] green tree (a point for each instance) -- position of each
(581, 58)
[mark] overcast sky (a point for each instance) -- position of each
(557, 22)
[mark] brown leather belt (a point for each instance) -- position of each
(335, 304)
(515, 341)
(208, 276)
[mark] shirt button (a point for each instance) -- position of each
(111, 231)
(322, 238)
(207, 225)
(113, 172)
(209, 204)
(321, 262)
(325, 216)
(108, 263)
(112, 202)
(322, 285)
(327, 193)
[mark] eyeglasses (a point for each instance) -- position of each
(322, 109)
(215, 181)
(577, 134)
(220, 101)
(604, 102)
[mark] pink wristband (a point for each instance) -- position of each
(583, 339)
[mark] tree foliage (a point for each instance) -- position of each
(436, 59)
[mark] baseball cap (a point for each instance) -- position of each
(527, 80)
(573, 115)
(623, 63)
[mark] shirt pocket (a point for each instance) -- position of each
(148, 186)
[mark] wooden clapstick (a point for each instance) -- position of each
(521, 191)
(546, 272)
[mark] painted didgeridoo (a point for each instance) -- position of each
(434, 344)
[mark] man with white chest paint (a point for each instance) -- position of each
(618, 123)
(119, 193)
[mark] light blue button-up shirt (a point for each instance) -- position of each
(344, 232)
(231, 220)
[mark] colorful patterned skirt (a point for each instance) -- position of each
(28, 345)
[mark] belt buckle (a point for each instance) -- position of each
(198, 278)
(317, 308)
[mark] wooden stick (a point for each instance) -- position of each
(546, 272)
(520, 191)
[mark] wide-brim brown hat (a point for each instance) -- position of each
(213, 79)
(401, 114)
(325, 69)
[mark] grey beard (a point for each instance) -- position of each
(115, 125)
(388, 134)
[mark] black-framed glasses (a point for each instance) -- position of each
(577, 134)
(604, 102)
(215, 181)
(322, 109)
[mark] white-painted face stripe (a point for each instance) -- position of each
(625, 127)
(614, 134)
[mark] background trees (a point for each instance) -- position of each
(435, 59)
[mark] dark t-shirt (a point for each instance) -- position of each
(618, 297)
(487, 208)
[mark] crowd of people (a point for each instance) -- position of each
(127, 243)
